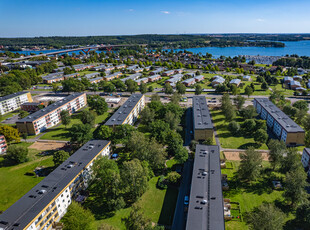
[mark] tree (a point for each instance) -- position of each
(239, 102)
(175, 98)
(159, 130)
(248, 90)
(134, 178)
(198, 89)
(65, 117)
(131, 85)
(81, 133)
(307, 139)
(173, 177)
(267, 217)
(264, 86)
(55, 87)
(249, 125)
(235, 90)
(181, 154)
(249, 168)
(301, 105)
(248, 112)
(234, 127)
(147, 115)
(277, 150)
(230, 113)
(303, 214)
(172, 119)
(88, 117)
(10, 133)
(104, 132)
(17, 154)
(291, 161)
(59, 157)
(22, 114)
(143, 88)
(107, 184)
(97, 103)
(181, 88)
(260, 136)
(78, 218)
(136, 219)
(150, 88)
(155, 97)
(122, 133)
(173, 140)
(168, 88)
(306, 122)
(295, 183)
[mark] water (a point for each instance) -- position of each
(301, 48)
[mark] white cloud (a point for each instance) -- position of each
(165, 12)
(260, 20)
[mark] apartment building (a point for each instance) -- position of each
(3, 145)
(47, 202)
(206, 206)
(30, 106)
(128, 112)
(142, 80)
(203, 126)
(112, 76)
(50, 116)
(282, 126)
(305, 160)
(13, 101)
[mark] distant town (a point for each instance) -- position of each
(132, 136)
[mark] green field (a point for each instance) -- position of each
(251, 195)
(157, 205)
(228, 140)
(14, 181)
(63, 133)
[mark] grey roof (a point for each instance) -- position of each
(7, 97)
(71, 75)
(96, 79)
(50, 108)
(206, 208)
(235, 81)
(285, 121)
(90, 75)
(53, 75)
(122, 113)
(132, 77)
(201, 113)
(27, 208)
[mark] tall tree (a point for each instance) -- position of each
(248, 90)
(181, 154)
(168, 88)
(10, 133)
(277, 151)
(81, 133)
(249, 168)
(65, 117)
(88, 117)
(59, 157)
(198, 89)
(104, 132)
(181, 88)
(136, 219)
(147, 115)
(260, 136)
(17, 154)
(97, 103)
(143, 88)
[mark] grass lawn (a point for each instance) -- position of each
(252, 195)
(63, 133)
(13, 179)
(158, 205)
(5, 116)
(228, 140)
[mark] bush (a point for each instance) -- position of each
(233, 127)
(161, 183)
(173, 177)
(17, 154)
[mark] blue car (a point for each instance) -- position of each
(186, 200)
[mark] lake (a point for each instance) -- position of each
(301, 48)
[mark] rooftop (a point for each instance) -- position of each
(285, 121)
(7, 97)
(122, 113)
(22, 212)
(206, 209)
(201, 113)
(50, 108)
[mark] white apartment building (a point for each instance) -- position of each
(13, 101)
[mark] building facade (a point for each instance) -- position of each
(3, 145)
(13, 101)
(50, 116)
(305, 159)
(282, 126)
(48, 201)
(203, 126)
(128, 113)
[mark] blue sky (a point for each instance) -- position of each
(20, 18)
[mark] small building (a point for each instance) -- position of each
(246, 78)
(235, 82)
(297, 78)
(189, 82)
(3, 145)
(30, 106)
(71, 75)
(138, 70)
(176, 71)
(154, 78)
(217, 81)
(143, 80)
(294, 85)
(191, 74)
(112, 76)
(287, 79)
(132, 77)
(92, 75)
(199, 78)
(174, 79)
(53, 79)
(156, 71)
(96, 80)
(168, 73)
(120, 66)
(99, 68)
(133, 67)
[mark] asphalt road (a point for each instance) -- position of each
(179, 220)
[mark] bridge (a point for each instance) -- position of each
(85, 49)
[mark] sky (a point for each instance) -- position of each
(29, 18)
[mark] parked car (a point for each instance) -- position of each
(186, 200)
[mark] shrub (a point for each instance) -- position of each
(161, 183)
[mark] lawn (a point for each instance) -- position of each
(158, 205)
(5, 116)
(13, 179)
(63, 133)
(252, 195)
(228, 140)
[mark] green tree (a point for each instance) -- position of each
(306, 122)
(136, 219)
(150, 88)
(249, 168)
(181, 88)
(175, 98)
(131, 85)
(22, 114)
(198, 89)
(172, 119)
(147, 115)
(230, 113)
(159, 130)
(59, 157)
(104, 132)
(267, 217)
(303, 214)
(248, 90)
(10, 133)
(277, 151)
(81, 133)
(88, 117)
(181, 154)
(78, 218)
(173, 177)
(134, 178)
(239, 102)
(248, 112)
(173, 140)
(260, 136)
(249, 126)
(301, 105)
(234, 127)
(55, 87)
(143, 88)
(264, 86)
(97, 104)
(122, 133)
(17, 154)
(107, 184)
(168, 89)
(291, 161)
(65, 117)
